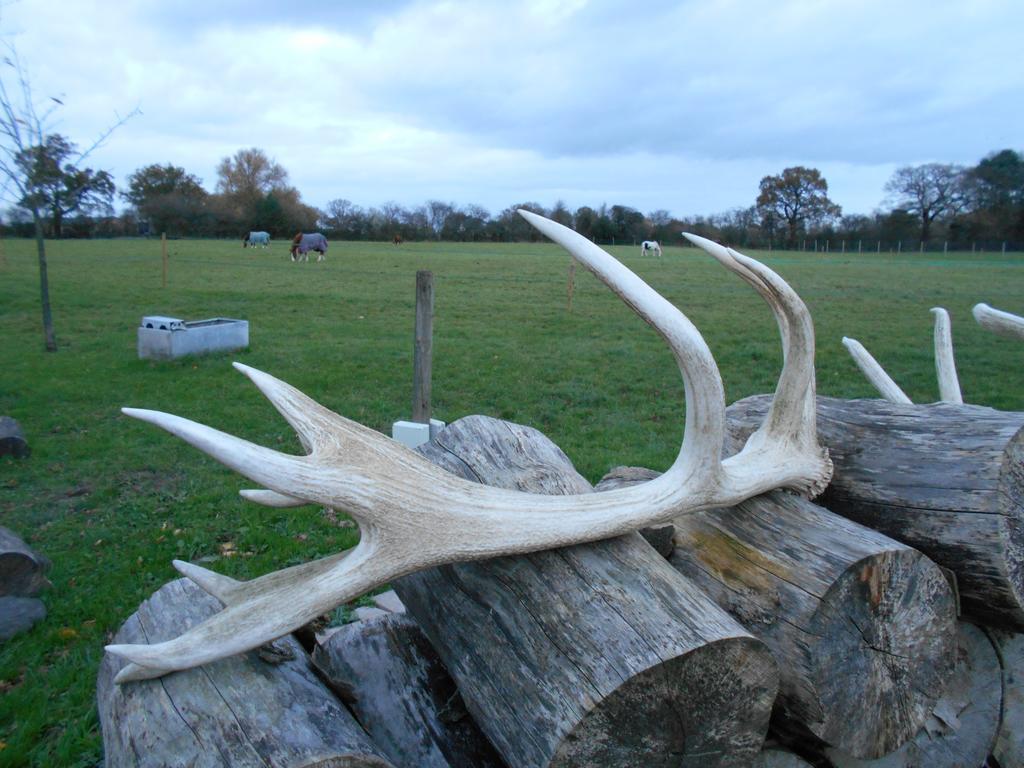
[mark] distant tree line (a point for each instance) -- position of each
(940, 205)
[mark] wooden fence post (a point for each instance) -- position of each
(572, 281)
(163, 255)
(423, 346)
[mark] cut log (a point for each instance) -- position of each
(396, 686)
(261, 708)
(12, 439)
(1009, 748)
(961, 730)
(945, 479)
(863, 628)
(22, 571)
(598, 654)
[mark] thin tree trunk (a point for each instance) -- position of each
(44, 285)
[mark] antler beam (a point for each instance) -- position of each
(413, 515)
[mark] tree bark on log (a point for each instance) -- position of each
(240, 711)
(961, 731)
(396, 686)
(945, 479)
(1009, 748)
(863, 628)
(22, 571)
(591, 655)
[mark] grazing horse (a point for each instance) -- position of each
(650, 246)
(303, 244)
(256, 238)
(397, 240)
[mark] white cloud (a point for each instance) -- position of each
(681, 106)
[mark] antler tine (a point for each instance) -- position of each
(271, 498)
(264, 465)
(793, 416)
(317, 427)
(704, 432)
(945, 365)
(271, 606)
(997, 321)
(874, 373)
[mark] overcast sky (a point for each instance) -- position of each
(676, 105)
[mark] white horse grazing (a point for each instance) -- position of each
(256, 238)
(650, 246)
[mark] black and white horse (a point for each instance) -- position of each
(650, 246)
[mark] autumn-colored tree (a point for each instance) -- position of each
(798, 196)
(249, 175)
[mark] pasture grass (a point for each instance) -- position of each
(112, 501)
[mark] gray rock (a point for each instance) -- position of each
(19, 614)
(389, 601)
(363, 613)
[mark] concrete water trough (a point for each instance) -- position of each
(165, 338)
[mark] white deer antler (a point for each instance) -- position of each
(945, 366)
(413, 515)
(998, 321)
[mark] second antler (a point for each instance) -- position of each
(414, 515)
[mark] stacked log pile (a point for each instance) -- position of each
(831, 629)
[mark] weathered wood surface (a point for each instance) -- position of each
(1009, 747)
(590, 655)
(961, 730)
(396, 686)
(945, 479)
(863, 628)
(22, 570)
(239, 711)
(12, 439)
(778, 758)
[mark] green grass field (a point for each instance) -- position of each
(112, 501)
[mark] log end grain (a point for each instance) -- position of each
(710, 708)
(12, 439)
(1009, 748)
(886, 637)
(960, 731)
(22, 570)
(863, 627)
